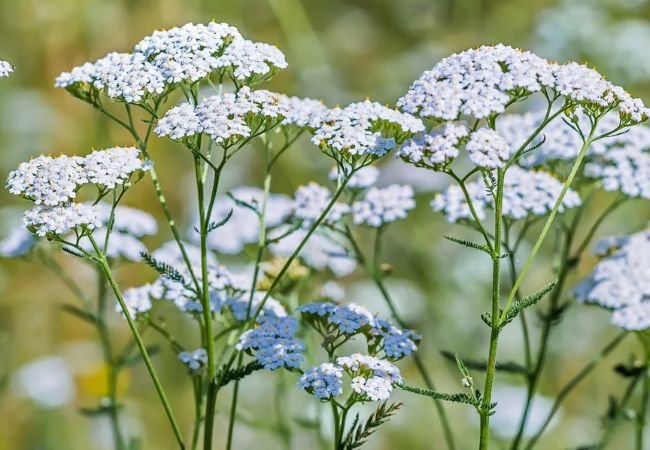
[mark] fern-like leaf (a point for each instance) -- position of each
(455, 398)
(227, 376)
(214, 225)
(468, 244)
(359, 433)
(162, 268)
(481, 365)
(526, 302)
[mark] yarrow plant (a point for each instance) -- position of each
(277, 308)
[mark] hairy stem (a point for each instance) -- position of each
(485, 408)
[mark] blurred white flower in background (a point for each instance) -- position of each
(46, 381)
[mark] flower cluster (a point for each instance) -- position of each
(274, 344)
(372, 379)
(59, 220)
(226, 117)
(525, 193)
(52, 184)
(194, 360)
(303, 112)
(482, 82)
(5, 69)
(311, 200)
(351, 319)
(436, 148)
(383, 205)
(187, 54)
(364, 128)
(361, 179)
(621, 281)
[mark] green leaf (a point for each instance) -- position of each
(456, 398)
(214, 225)
(509, 366)
(79, 313)
(163, 268)
(526, 302)
(359, 433)
(468, 244)
(225, 377)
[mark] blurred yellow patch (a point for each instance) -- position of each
(96, 381)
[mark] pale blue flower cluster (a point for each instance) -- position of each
(274, 344)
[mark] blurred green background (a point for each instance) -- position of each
(338, 51)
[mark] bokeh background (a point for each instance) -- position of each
(339, 51)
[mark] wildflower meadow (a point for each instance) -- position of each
(462, 263)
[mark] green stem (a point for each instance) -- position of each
(567, 264)
(622, 406)
(107, 351)
(485, 409)
(105, 267)
(575, 381)
(376, 275)
(261, 247)
(547, 226)
(337, 426)
(645, 400)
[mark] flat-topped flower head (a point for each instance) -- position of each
(482, 82)
(274, 344)
(311, 200)
(48, 181)
(323, 381)
(6, 69)
(372, 378)
(225, 118)
(396, 343)
(304, 112)
(138, 299)
(194, 360)
(364, 129)
(126, 77)
(487, 149)
(45, 221)
(347, 319)
(381, 206)
(188, 53)
(250, 62)
(633, 317)
(622, 278)
(435, 149)
(114, 166)
(525, 193)
(626, 170)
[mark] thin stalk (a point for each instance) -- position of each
(106, 269)
(470, 203)
(567, 265)
(337, 426)
(547, 226)
(377, 278)
(286, 266)
(107, 352)
(261, 247)
(143, 146)
(574, 382)
(645, 400)
(485, 408)
(198, 410)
